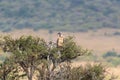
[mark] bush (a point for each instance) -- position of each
(1, 58)
(115, 61)
(90, 72)
(37, 59)
(109, 54)
(112, 57)
(117, 33)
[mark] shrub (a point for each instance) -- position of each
(116, 33)
(110, 53)
(88, 72)
(37, 59)
(115, 61)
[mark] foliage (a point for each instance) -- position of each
(112, 57)
(26, 51)
(71, 50)
(110, 54)
(35, 58)
(87, 72)
(67, 15)
(96, 72)
(115, 61)
(9, 70)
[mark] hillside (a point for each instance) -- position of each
(65, 15)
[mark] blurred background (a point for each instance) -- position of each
(63, 15)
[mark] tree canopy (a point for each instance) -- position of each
(31, 57)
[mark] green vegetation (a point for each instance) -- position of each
(114, 61)
(65, 15)
(89, 72)
(110, 54)
(112, 57)
(31, 57)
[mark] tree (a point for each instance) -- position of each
(41, 60)
(27, 52)
(9, 70)
(5, 69)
